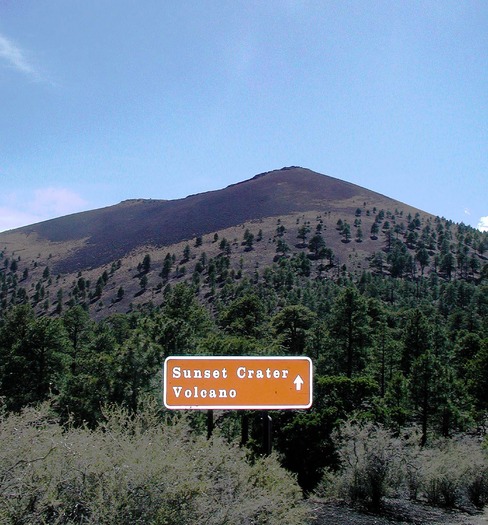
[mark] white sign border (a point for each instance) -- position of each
(238, 407)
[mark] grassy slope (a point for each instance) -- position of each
(88, 243)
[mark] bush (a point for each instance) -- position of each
(376, 463)
(455, 471)
(370, 457)
(134, 470)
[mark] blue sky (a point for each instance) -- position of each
(106, 100)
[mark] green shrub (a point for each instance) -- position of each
(376, 463)
(135, 470)
(455, 471)
(370, 457)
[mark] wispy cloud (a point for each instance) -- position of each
(483, 224)
(18, 210)
(11, 218)
(14, 57)
(56, 201)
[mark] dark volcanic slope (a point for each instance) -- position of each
(114, 231)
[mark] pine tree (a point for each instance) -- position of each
(349, 327)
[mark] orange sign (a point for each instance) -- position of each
(264, 383)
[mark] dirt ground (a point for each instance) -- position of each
(399, 512)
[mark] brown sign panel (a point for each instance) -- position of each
(246, 383)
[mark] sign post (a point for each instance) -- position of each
(237, 383)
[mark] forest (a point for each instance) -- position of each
(400, 385)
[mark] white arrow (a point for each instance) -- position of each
(298, 382)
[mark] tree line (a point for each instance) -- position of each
(391, 351)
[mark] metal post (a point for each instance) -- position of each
(244, 429)
(267, 433)
(210, 423)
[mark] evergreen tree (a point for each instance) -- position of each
(30, 357)
(282, 247)
(423, 383)
(167, 265)
(317, 246)
(423, 258)
(244, 316)
(346, 232)
(78, 326)
(248, 240)
(359, 235)
(303, 233)
(291, 325)
(146, 263)
(349, 329)
(416, 338)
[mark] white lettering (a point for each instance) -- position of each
(197, 373)
(195, 393)
(249, 373)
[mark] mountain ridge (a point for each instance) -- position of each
(114, 231)
(249, 226)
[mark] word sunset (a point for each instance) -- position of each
(237, 382)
